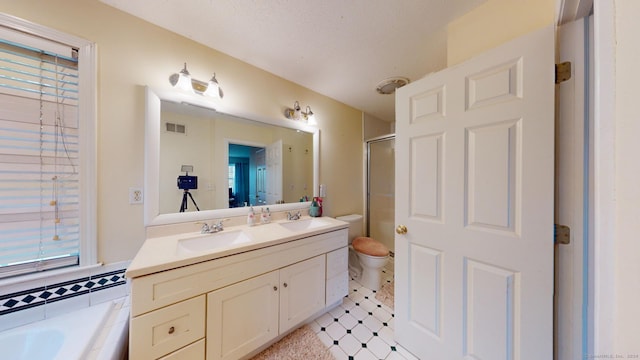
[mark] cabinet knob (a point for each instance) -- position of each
(275, 288)
(401, 229)
(172, 330)
(285, 285)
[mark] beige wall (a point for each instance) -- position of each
(132, 54)
(493, 23)
(626, 247)
(373, 127)
(193, 148)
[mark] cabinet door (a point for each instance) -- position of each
(301, 291)
(242, 317)
(337, 275)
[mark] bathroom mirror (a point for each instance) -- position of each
(203, 161)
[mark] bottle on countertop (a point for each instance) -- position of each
(251, 217)
(319, 201)
(316, 207)
(265, 216)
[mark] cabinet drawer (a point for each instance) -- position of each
(165, 330)
(337, 262)
(192, 352)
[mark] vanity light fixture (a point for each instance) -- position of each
(185, 82)
(309, 116)
(293, 114)
(296, 113)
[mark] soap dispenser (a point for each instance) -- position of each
(251, 217)
(264, 216)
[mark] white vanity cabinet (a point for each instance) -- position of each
(231, 306)
(244, 316)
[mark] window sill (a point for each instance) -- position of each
(72, 272)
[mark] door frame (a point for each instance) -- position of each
(601, 297)
(574, 170)
(599, 264)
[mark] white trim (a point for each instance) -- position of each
(88, 154)
(570, 10)
(316, 163)
(41, 31)
(88, 113)
(604, 178)
(570, 190)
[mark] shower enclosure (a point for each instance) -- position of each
(381, 189)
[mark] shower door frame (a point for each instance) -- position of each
(368, 143)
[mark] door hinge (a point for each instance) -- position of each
(561, 234)
(563, 72)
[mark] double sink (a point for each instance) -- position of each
(240, 236)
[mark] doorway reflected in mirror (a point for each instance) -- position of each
(246, 175)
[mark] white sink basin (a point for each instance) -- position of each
(207, 242)
(304, 224)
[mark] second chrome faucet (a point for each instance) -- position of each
(295, 216)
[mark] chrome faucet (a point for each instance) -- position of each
(295, 216)
(213, 228)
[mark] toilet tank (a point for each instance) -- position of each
(355, 225)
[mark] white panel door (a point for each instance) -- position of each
(274, 173)
(474, 188)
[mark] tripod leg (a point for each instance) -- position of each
(183, 205)
(193, 201)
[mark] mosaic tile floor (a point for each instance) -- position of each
(361, 328)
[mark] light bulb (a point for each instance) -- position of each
(184, 80)
(213, 89)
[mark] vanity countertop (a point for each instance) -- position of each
(172, 251)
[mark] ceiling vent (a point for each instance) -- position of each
(389, 86)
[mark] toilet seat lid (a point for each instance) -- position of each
(369, 246)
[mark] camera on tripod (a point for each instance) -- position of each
(187, 182)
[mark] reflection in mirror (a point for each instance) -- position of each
(228, 154)
(231, 161)
(247, 170)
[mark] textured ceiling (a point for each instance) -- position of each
(339, 48)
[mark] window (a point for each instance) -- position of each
(47, 176)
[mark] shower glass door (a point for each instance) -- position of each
(381, 190)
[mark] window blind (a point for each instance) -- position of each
(39, 158)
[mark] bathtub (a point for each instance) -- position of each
(95, 332)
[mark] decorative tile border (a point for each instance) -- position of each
(29, 298)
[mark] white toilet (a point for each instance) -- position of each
(367, 256)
